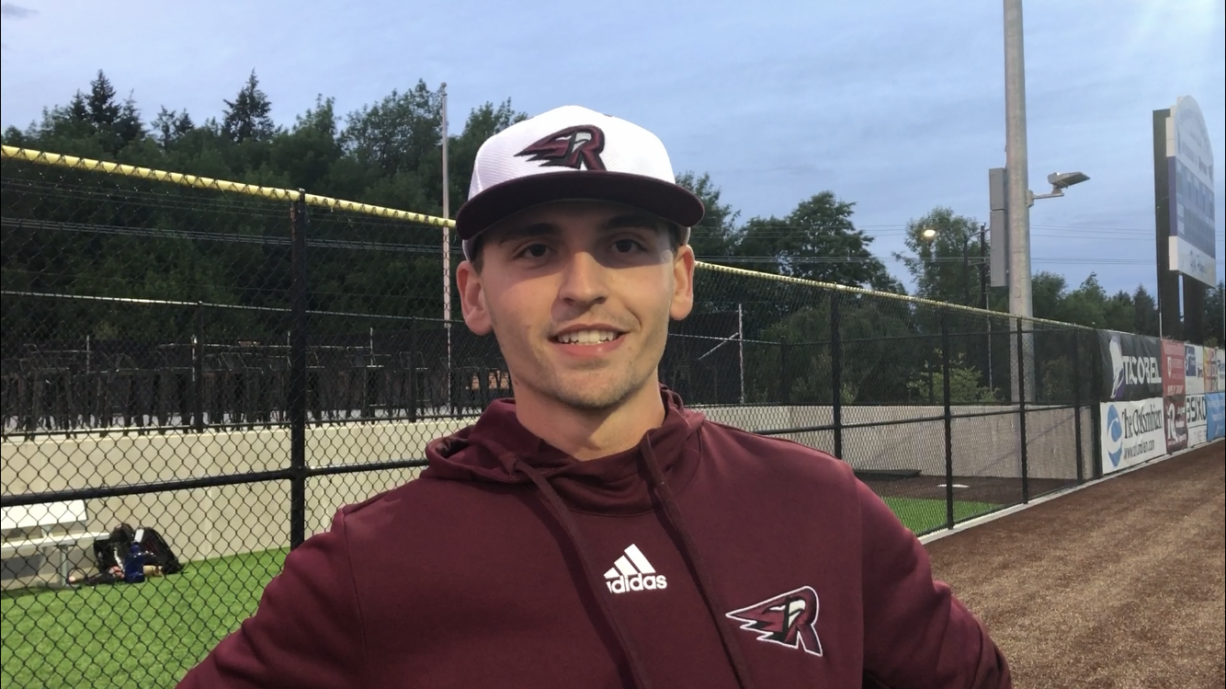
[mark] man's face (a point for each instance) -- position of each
(579, 295)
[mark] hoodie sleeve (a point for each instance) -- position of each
(916, 634)
(306, 633)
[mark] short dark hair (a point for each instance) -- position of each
(674, 243)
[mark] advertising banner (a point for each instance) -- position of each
(1132, 432)
(1215, 413)
(1220, 370)
(1194, 369)
(1198, 422)
(1175, 423)
(1209, 370)
(1173, 368)
(1131, 370)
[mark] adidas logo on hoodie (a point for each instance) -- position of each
(632, 572)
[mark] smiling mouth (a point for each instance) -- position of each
(587, 337)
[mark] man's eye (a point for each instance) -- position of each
(534, 251)
(626, 246)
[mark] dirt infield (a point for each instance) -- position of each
(1117, 586)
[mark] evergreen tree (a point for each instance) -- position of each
(1145, 313)
(101, 105)
(247, 116)
(170, 126)
(128, 126)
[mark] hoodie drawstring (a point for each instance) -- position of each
(637, 670)
(673, 514)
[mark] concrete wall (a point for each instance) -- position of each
(213, 522)
(209, 522)
(982, 446)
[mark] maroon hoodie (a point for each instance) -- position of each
(706, 557)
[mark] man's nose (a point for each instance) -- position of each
(583, 280)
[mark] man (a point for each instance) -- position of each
(593, 532)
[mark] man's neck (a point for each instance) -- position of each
(588, 435)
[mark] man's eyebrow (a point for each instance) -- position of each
(539, 229)
(547, 229)
(631, 220)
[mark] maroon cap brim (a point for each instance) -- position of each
(669, 201)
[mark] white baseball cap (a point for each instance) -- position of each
(572, 152)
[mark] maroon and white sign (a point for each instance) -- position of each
(1175, 423)
(1173, 368)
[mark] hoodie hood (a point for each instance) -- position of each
(618, 484)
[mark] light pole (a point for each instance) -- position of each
(1017, 196)
(446, 240)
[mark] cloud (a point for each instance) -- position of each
(11, 11)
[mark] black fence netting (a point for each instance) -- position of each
(227, 365)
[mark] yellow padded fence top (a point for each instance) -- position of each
(196, 181)
(57, 160)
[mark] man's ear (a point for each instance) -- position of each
(472, 299)
(683, 283)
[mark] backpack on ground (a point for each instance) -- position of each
(110, 553)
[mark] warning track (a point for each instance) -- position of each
(1119, 585)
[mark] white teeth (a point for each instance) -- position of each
(587, 337)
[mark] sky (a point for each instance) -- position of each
(894, 105)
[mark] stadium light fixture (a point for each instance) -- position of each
(1060, 181)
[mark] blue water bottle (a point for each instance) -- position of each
(134, 565)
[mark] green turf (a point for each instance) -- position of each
(922, 515)
(78, 638)
(81, 637)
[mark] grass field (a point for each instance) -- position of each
(64, 638)
(924, 515)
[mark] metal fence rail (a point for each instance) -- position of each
(230, 363)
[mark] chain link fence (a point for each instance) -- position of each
(229, 364)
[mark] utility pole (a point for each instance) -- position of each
(983, 266)
(446, 243)
(966, 269)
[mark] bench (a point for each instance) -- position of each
(68, 517)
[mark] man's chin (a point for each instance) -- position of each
(596, 395)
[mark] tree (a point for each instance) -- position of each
(964, 386)
(1145, 313)
(942, 264)
(72, 122)
(77, 110)
(399, 133)
(102, 108)
(1047, 295)
(307, 153)
(247, 116)
(170, 126)
(128, 126)
(482, 123)
(1085, 305)
(798, 369)
(816, 241)
(1118, 312)
(716, 236)
(1215, 327)
(396, 145)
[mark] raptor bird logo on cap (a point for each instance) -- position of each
(574, 147)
